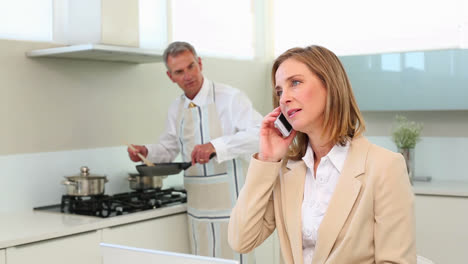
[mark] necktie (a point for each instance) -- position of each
(192, 105)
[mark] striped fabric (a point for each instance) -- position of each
(212, 188)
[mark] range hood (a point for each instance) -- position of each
(100, 52)
(103, 30)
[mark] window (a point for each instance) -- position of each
(367, 26)
(222, 28)
(26, 19)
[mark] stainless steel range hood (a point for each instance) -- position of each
(104, 30)
(101, 53)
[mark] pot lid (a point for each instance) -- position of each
(85, 173)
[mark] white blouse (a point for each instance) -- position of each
(318, 190)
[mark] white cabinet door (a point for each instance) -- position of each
(2, 256)
(74, 249)
(168, 233)
(441, 228)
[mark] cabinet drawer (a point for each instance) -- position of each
(168, 233)
(74, 249)
(441, 232)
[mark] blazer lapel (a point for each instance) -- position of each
(343, 199)
(293, 181)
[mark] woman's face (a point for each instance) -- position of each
(303, 96)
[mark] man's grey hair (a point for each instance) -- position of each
(177, 47)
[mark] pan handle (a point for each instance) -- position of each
(186, 165)
(66, 182)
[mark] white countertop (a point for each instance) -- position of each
(441, 188)
(31, 226)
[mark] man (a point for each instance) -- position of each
(209, 119)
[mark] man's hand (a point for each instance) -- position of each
(201, 153)
(134, 154)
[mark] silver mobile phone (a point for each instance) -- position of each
(283, 125)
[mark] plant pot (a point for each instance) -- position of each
(408, 154)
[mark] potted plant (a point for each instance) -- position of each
(405, 135)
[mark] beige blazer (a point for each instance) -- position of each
(370, 217)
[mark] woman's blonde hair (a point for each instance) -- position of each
(342, 118)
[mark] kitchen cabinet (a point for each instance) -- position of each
(2, 256)
(441, 228)
(75, 249)
(168, 233)
(424, 80)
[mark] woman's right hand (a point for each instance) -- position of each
(273, 146)
(133, 154)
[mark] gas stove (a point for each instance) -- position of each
(118, 204)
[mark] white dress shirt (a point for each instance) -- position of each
(239, 120)
(318, 190)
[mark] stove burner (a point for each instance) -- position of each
(121, 203)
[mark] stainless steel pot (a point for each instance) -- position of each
(85, 184)
(138, 182)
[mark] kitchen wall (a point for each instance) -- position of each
(58, 115)
(426, 86)
(441, 153)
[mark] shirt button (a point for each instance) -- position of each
(323, 179)
(307, 232)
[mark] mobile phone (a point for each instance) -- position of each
(282, 124)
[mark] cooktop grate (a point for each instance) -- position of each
(118, 204)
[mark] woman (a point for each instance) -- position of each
(332, 195)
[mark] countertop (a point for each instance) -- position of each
(19, 228)
(441, 188)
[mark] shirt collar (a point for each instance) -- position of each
(309, 157)
(202, 95)
(337, 156)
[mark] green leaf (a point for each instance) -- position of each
(405, 133)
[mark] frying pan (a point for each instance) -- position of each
(161, 169)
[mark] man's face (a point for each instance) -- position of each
(186, 71)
